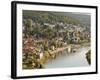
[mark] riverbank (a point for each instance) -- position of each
(78, 59)
(88, 57)
(37, 53)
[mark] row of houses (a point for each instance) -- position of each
(74, 31)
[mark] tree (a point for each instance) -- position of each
(28, 27)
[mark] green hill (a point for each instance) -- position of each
(84, 18)
(49, 17)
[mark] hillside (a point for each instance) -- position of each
(85, 18)
(49, 17)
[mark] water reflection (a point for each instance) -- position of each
(65, 59)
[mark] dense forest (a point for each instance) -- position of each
(84, 18)
(49, 17)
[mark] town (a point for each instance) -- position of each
(40, 41)
(46, 35)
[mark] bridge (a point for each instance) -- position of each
(58, 50)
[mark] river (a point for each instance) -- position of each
(77, 59)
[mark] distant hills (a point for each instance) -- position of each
(82, 17)
(56, 17)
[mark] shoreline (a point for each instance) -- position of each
(61, 59)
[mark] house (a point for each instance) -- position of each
(40, 55)
(52, 48)
(49, 25)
